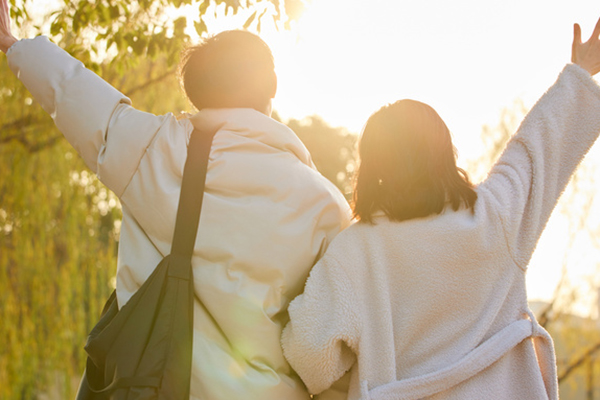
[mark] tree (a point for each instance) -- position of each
(59, 225)
(332, 149)
(88, 29)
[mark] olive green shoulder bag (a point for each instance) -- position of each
(144, 350)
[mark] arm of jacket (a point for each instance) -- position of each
(321, 340)
(98, 120)
(526, 182)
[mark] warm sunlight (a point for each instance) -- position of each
(468, 59)
(343, 59)
(148, 150)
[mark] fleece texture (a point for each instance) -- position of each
(267, 215)
(436, 307)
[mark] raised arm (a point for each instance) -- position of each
(98, 120)
(6, 37)
(524, 185)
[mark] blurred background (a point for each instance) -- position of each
(481, 65)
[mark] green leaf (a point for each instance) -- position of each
(249, 20)
(125, 9)
(161, 41)
(152, 47)
(204, 6)
(119, 41)
(76, 23)
(139, 45)
(277, 5)
(172, 58)
(104, 35)
(233, 4)
(179, 26)
(114, 12)
(259, 25)
(200, 27)
(130, 39)
(95, 67)
(56, 27)
(104, 14)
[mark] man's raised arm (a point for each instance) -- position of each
(6, 37)
(97, 119)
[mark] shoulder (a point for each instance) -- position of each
(349, 238)
(349, 248)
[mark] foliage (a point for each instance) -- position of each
(332, 149)
(128, 31)
(59, 225)
(495, 138)
(58, 234)
(577, 342)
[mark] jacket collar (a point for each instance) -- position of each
(255, 125)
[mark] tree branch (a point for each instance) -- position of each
(20, 123)
(32, 147)
(577, 362)
(150, 82)
(546, 316)
(20, 127)
(27, 121)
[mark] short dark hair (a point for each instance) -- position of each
(229, 70)
(408, 165)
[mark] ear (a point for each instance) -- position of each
(273, 88)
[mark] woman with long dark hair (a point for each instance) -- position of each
(424, 297)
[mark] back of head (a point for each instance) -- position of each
(408, 165)
(233, 69)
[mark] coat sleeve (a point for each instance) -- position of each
(98, 120)
(526, 182)
(321, 340)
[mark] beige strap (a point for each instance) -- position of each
(476, 361)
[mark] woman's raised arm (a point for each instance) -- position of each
(539, 160)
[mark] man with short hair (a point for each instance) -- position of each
(267, 216)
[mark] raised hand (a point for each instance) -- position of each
(587, 55)
(6, 37)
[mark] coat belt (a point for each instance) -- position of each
(474, 362)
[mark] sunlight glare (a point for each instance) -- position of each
(344, 59)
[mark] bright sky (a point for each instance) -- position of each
(466, 58)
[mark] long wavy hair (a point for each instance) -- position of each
(408, 165)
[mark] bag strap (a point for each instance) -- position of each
(190, 203)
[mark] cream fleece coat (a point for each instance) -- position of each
(436, 307)
(267, 216)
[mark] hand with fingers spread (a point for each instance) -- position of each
(6, 37)
(587, 55)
